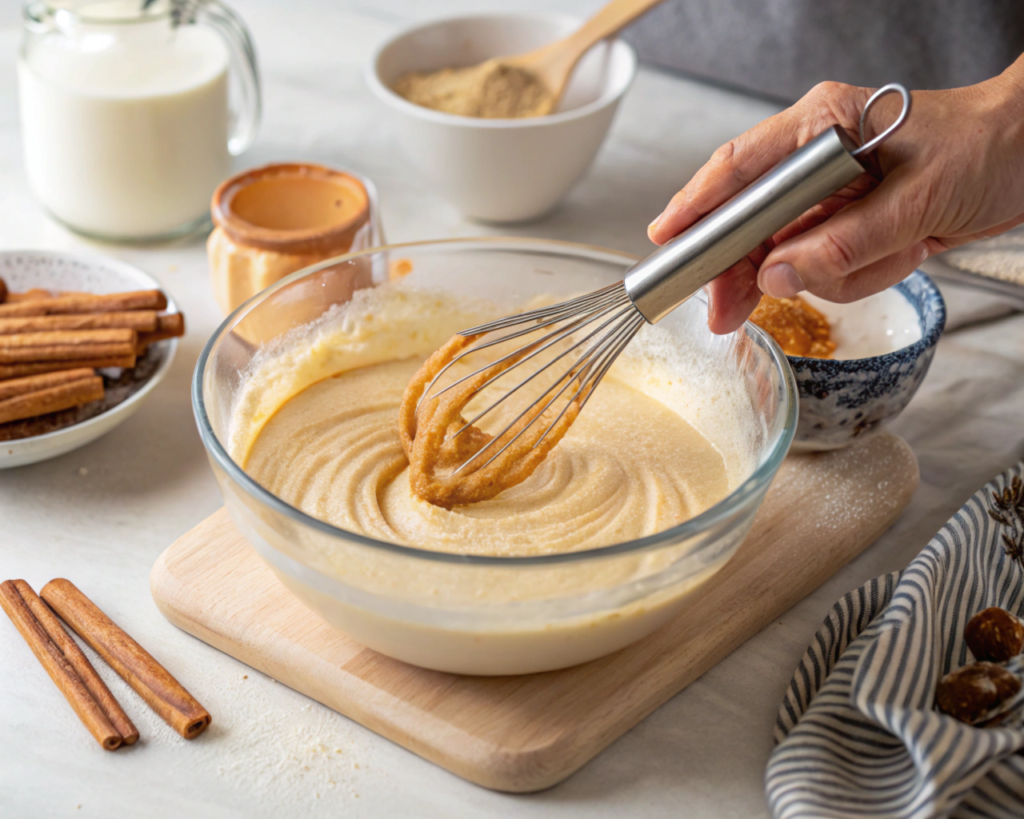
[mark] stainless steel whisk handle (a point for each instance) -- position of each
(681, 267)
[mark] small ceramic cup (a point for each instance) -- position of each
(846, 400)
(274, 220)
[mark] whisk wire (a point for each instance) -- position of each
(588, 371)
(596, 327)
(634, 328)
(613, 345)
(613, 292)
(554, 336)
(611, 295)
(537, 372)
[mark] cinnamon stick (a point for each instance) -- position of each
(60, 669)
(33, 383)
(51, 399)
(170, 325)
(30, 295)
(3, 291)
(65, 352)
(138, 320)
(67, 337)
(87, 303)
(8, 371)
(74, 655)
(152, 681)
(66, 345)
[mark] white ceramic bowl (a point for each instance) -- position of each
(26, 269)
(501, 170)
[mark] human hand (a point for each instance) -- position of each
(952, 174)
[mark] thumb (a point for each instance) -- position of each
(885, 223)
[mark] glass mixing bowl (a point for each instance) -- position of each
(501, 615)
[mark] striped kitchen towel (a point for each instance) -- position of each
(857, 732)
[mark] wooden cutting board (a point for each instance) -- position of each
(527, 733)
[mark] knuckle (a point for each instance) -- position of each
(839, 252)
(828, 89)
(725, 154)
(682, 196)
(730, 157)
(830, 101)
(680, 201)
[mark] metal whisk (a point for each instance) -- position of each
(596, 349)
(590, 332)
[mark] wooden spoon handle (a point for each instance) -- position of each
(555, 62)
(608, 21)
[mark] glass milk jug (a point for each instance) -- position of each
(126, 119)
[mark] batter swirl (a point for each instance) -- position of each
(323, 437)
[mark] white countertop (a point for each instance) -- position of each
(102, 515)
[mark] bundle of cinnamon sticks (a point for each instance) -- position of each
(51, 344)
(36, 618)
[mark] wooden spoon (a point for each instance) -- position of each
(554, 63)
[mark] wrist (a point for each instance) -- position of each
(1007, 91)
(1015, 72)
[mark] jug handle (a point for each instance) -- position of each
(37, 17)
(245, 120)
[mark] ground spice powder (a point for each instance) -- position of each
(491, 90)
(798, 328)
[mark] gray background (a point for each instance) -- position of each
(780, 48)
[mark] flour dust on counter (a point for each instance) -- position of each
(267, 740)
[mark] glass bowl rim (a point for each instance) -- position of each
(719, 511)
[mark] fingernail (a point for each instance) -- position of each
(780, 281)
(654, 224)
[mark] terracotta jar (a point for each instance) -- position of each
(274, 220)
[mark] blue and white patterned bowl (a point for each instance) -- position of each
(842, 401)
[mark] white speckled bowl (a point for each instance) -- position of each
(26, 269)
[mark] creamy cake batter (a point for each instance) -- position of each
(629, 467)
(315, 422)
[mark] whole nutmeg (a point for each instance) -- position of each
(994, 635)
(970, 693)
